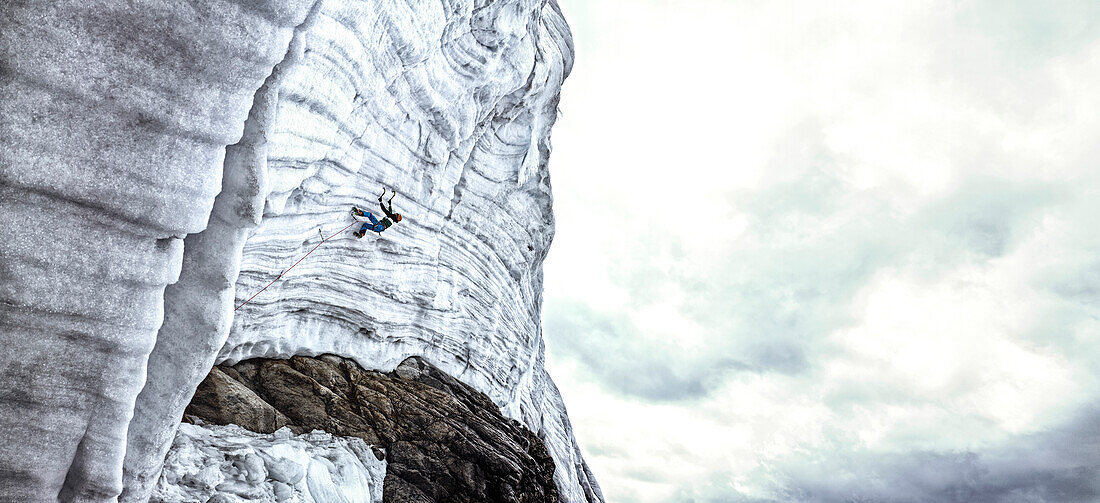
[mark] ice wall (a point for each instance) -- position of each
(112, 150)
(451, 104)
(116, 115)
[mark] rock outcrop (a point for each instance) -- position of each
(444, 442)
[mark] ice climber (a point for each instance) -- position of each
(370, 222)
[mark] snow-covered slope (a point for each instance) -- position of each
(111, 153)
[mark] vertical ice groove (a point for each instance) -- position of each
(199, 306)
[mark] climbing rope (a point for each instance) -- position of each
(296, 263)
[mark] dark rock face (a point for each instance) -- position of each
(444, 442)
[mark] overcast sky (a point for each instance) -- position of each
(830, 251)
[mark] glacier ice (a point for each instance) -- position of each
(205, 461)
(452, 109)
(115, 120)
(115, 181)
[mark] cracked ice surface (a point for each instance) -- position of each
(229, 461)
(451, 104)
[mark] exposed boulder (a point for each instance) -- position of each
(442, 440)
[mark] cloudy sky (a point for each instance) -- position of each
(830, 251)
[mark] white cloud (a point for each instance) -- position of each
(796, 235)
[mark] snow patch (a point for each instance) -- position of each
(229, 463)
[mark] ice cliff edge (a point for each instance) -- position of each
(160, 162)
